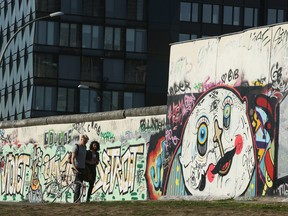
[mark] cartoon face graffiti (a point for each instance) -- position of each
(217, 154)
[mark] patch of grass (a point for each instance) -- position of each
(141, 208)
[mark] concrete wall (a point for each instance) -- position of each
(32, 157)
(227, 115)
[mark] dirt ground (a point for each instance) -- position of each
(255, 207)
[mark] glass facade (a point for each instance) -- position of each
(115, 82)
(119, 48)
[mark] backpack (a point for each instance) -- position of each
(70, 154)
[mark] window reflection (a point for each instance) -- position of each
(185, 11)
(45, 65)
(64, 35)
(113, 70)
(250, 17)
(231, 15)
(69, 35)
(90, 100)
(275, 16)
(236, 17)
(47, 33)
(188, 11)
(61, 99)
(184, 37)
(136, 40)
(91, 36)
(135, 71)
(215, 14)
(194, 12)
(207, 13)
(227, 18)
(210, 14)
(93, 7)
(91, 68)
(115, 8)
(44, 98)
(113, 38)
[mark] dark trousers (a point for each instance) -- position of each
(92, 170)
(79, 177)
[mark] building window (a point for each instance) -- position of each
(113, 70)
(91, 69)
(112, 100)
(184, 37)
(136, 9)
(92, 36)
(185, 11)
(62, 100)
(275, 16)
(210, 14)
(47, 5)
(69, 70)
(90, 100)
(250, 17)
(115, 8)
(71, 6)
(136, 40)
(44, 98)
(47, 33)
(93, 7)
(69, 35)
(45, 65)
(231, 15)
(113, 38)
(135, 71)
(133, 100)
(189, 12)
(66, 100)
(71, 100)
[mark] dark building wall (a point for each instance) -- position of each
(163, 25)
(161, 16)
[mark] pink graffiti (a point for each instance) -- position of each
(210, 175)
(189, 102)
(169, 136)
(206, 85)
(175, 116)
(238, 144)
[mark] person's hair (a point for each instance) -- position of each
(85, 137)
(97, 144)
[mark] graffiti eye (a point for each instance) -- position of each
(202, 137)
(214, 105)
(227, 112)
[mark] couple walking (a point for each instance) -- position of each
(85, 160)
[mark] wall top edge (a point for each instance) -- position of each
(228, 34)
(99, 116)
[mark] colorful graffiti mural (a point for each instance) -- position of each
(34, 160)
(224, 134)
(232, 141)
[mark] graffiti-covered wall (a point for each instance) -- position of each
(34, 160)
(227, 121)
(224, 133)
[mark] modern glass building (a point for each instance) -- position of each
(116, 50)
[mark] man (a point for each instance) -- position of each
(78, 163)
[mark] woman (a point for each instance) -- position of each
(92, 159)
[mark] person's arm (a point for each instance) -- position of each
(88, 157)
(73, 157)
(97, 158)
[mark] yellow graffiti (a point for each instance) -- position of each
(53, 167)
(13, 176)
